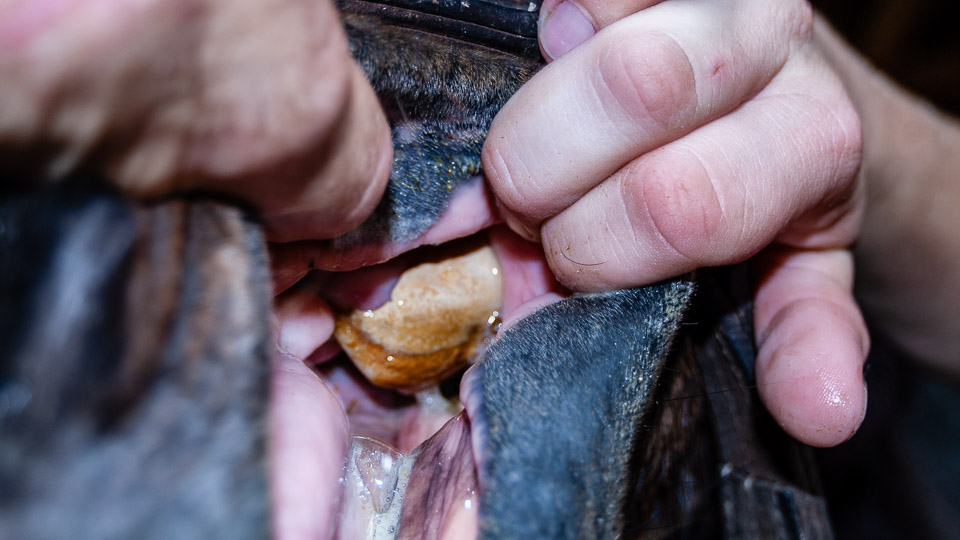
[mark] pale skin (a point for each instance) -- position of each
(258, 99)
(663, 136)
(690, 134)
(908, 252)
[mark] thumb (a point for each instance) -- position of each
(564, 24)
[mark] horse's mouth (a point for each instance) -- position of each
(372, 461)
(164, 419)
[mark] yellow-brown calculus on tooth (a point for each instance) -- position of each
(436, 316)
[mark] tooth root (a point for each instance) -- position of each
(378, 466)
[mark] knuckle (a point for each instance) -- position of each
(849, 136)
(648, 80)
(841, 143)
(509, 180)
(672, 195)
(842, 208)
(797, 19)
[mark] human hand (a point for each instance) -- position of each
(910, 163)
(690, 134)
(259, 100)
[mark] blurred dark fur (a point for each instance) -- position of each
(133, 369)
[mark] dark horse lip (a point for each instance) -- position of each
(440, 94)
(509, 26)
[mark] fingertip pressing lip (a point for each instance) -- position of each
(563, 29)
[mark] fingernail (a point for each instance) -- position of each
(563, 29)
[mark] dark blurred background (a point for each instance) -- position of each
(899, 477)
(916, 41)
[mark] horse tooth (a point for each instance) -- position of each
(439, 317)
(378, 465)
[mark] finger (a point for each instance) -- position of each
(292, 125)
(564, 24)
(348, 185)
(812, 345)
(785, 161)
(260, 100)
(285, 119)
(640, 83)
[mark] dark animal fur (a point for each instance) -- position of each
(133, 376)
(560, 396)
(440, 96)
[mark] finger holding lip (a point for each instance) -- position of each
(782, 167)
(258, 100)
(640, 83)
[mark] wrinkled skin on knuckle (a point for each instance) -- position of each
(514, 186)
(650, 81)
(796, 20)
(588, 268)
(850, 199)
(672, 197)
(849, 133)
(834, 220)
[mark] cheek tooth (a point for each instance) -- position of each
(436, 321)
(375, 478)
(378, 465)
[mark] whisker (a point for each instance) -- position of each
(722, 390)
(581, 263)
(710, 393)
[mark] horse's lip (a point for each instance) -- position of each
(506, 25)
(471, 209)
(427, 496)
